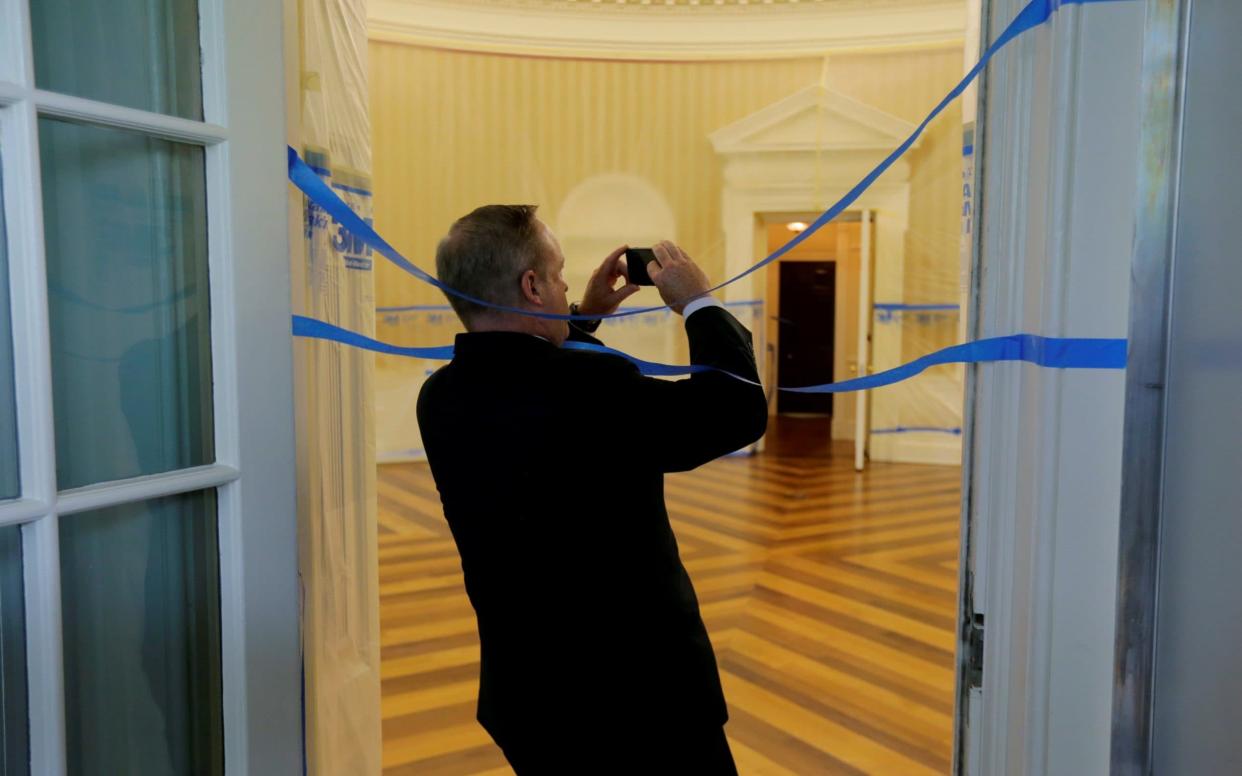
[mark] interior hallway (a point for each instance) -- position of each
(830, 598)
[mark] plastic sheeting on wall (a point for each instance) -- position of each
(333, 281)
(912, 420)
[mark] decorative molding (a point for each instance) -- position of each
(813, 119)
(656, 30)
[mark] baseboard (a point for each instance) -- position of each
(918, 447)
(401, 456)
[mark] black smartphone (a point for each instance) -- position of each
(636, 265)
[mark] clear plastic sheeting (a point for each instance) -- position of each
(333, 281)
(919, 419)
(657, 336)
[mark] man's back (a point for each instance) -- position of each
(550, 466)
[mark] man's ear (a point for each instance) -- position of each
(530, 287)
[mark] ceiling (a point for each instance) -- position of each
(669, 29)
(691, 6)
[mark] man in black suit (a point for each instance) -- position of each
(550, 464)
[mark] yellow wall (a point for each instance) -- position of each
(454, 130)
(908, 85)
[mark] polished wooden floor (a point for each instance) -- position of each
(829, 596)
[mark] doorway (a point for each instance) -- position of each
(808, 291)
(811, 302)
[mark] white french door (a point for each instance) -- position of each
(148, 552)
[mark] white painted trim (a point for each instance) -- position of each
(21, 510)
(1054, 245)
(157, 124)
(12, 32)
(258, 517)
(864, 342)
(23, 203)
(19, 144)
(45, 680)
(213, 56)
(235, 673)
(401, 456)
(888, 131)
(10, 93)
(143, 488)
(610, 31)
(926, 448)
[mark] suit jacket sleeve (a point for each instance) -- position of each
(707, 415)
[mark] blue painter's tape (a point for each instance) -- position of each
(917, 430)
(893, 306)
(317, 329)
(351, 189)
(1033, 14)
(886, 312)
(1054, 352)
(322, 195)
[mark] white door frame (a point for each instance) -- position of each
(1058, 143)
(243, 138)
(865, 308)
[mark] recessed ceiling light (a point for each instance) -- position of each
(796, 226)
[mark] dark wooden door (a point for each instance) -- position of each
(808, 305)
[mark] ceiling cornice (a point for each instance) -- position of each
(656, 31)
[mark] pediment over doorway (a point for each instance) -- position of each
(813, 119)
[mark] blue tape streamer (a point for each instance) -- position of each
(955, 431)
(1033, 14)
(314, 328)
(1054, 352)
(897, 306)
(319, 192)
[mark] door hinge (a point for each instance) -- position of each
(974, 660)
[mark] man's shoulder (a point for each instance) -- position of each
(579, 361)
(433, 386)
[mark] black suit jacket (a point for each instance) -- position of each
(550, 464)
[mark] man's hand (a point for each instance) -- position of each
(601, 297)
(676, 275)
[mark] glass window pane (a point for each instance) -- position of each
(136, 53)
(14, 736)
(140, 597)
(125, 220)
(9, 483)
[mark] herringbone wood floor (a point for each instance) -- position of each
(830, 598)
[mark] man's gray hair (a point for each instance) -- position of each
(486, 252)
